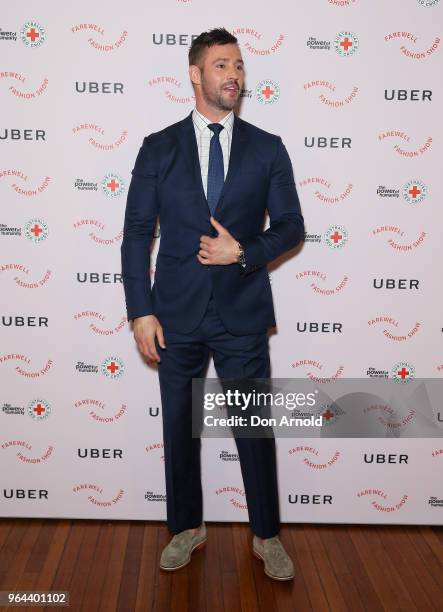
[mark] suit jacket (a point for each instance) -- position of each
(166, 182)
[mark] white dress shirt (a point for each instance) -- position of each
(204, 135)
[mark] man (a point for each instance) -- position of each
(210, 178)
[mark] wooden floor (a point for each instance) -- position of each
(113, 566)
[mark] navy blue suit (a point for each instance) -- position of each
(166, 181)
(223, 309)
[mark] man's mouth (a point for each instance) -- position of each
(232, 89)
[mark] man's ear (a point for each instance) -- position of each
(195, 74)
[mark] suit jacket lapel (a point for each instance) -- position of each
(188, 145)
(238, 148)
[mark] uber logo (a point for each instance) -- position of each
(307, 498)
(322, 142)
(408, 94)
(394, 283)
(100, 453)
(25, 494)
(173, 39)
(324, 328)
(385, 458)
(94, 87)
(96, 277)
(24, 321)
(17, 134)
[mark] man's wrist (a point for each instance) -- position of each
(142, 317)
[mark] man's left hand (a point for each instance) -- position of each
(221, 250)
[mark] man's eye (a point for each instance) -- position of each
(220, 65)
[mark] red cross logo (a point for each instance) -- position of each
(32, 34)
(267, 92)
(36, 230)
(39, 409)
(328, 414)
(415, 191)
(113, 185)
(336, 237)
(403, 373)
(113, 367)
(346, 43)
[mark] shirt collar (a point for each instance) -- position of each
(201, 121)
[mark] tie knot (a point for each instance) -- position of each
(216, 128)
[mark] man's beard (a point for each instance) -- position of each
(218, 101)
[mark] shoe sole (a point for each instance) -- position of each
(258, 556)
(176, 567)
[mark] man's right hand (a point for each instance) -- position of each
(146, 328)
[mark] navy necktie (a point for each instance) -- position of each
(216, 174)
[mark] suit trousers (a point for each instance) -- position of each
(186, 357)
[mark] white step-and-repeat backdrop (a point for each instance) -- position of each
(354, 88)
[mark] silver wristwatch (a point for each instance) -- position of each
(241, 258)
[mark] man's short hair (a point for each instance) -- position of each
(217, 36)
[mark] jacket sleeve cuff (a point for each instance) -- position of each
(252, 254)
(138, 302)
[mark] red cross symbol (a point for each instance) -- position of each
(403, 373)
(113, 185)
(113, 367)
(328, 414)
(336, 237)
(36, 230)
(32, 34)
(346, 43)
(39, 409)
(415, 191)
(267, 92)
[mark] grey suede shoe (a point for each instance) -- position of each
(278, 564)
(177, 553)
